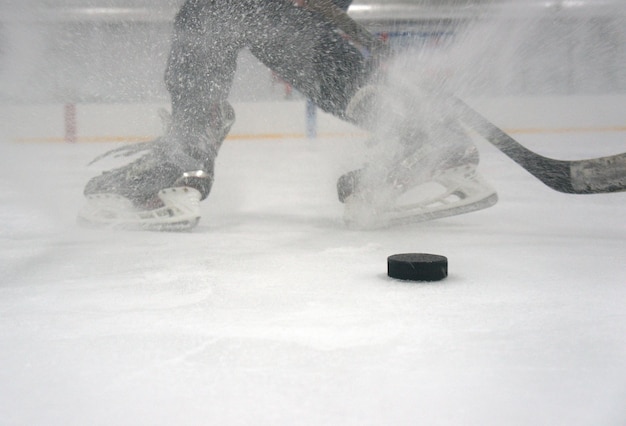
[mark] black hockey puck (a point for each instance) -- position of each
(417, 267)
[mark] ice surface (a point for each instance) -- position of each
(271, 312)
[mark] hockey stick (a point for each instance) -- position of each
(590, 176)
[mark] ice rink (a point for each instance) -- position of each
(272, 312)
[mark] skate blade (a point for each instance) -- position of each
(180, 212)
(454, 195)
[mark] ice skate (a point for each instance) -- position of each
(421, 172)
(162, 189)
(408, 196)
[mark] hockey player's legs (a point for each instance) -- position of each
(165, 185)
(298, 44)
(202, 61)
(306, 50)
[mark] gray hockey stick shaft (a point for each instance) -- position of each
(589, 176)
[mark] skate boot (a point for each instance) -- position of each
(422, 170)
(162, 189)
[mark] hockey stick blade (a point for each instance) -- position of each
(590, 176)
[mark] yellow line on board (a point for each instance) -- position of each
(88, 139)
(274, 136)
(569, 130)
(241, 136)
